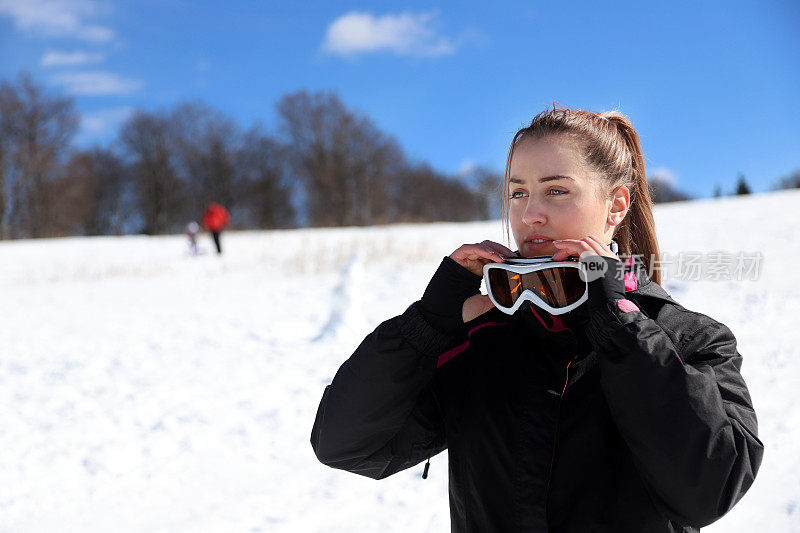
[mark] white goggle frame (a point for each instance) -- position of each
(526, 266)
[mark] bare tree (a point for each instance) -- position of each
(420, 194)
(662, 189)
(35, 130)
(343, 159)
(161, 196)
(208, 145)
(267, 189)
(487, 187)
(94, 191)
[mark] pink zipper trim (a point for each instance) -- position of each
(558, 325)
(631, 283)
(452, 352)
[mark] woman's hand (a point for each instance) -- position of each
(473, 257)
(589, 245)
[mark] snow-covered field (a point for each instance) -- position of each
(146, 390)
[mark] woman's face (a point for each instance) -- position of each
(552, 196)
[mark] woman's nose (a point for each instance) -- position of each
(533, 215)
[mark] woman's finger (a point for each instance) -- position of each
(472, 251)
(595, 246)
(474, 256)
(475, 251)
(497, 247)
(600, 247)
(568, 247)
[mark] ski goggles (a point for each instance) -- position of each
(556, 286)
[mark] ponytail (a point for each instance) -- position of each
(636, 234)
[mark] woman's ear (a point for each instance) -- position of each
(620, 202)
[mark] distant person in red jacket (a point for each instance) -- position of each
(214, 220)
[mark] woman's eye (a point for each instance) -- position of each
(517, 194)
(557, 192)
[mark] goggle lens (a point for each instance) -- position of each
(500, 285)
(559, 287)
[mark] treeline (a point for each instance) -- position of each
(324, 165)
(663, 191)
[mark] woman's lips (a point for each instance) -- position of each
(530, 245)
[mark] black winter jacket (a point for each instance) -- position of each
(634, 418)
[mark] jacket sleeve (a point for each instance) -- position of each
(381, 412)
(679, 402)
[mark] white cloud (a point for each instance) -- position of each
(104, 120)
(406, 34)
(59, 58)
(663, 174)
(96, 83)
(57, 18)
(97, 34)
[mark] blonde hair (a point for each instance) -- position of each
(609, 145)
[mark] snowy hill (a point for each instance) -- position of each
(147, 390)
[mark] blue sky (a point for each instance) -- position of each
(712, 87)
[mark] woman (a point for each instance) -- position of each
(626, 414)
